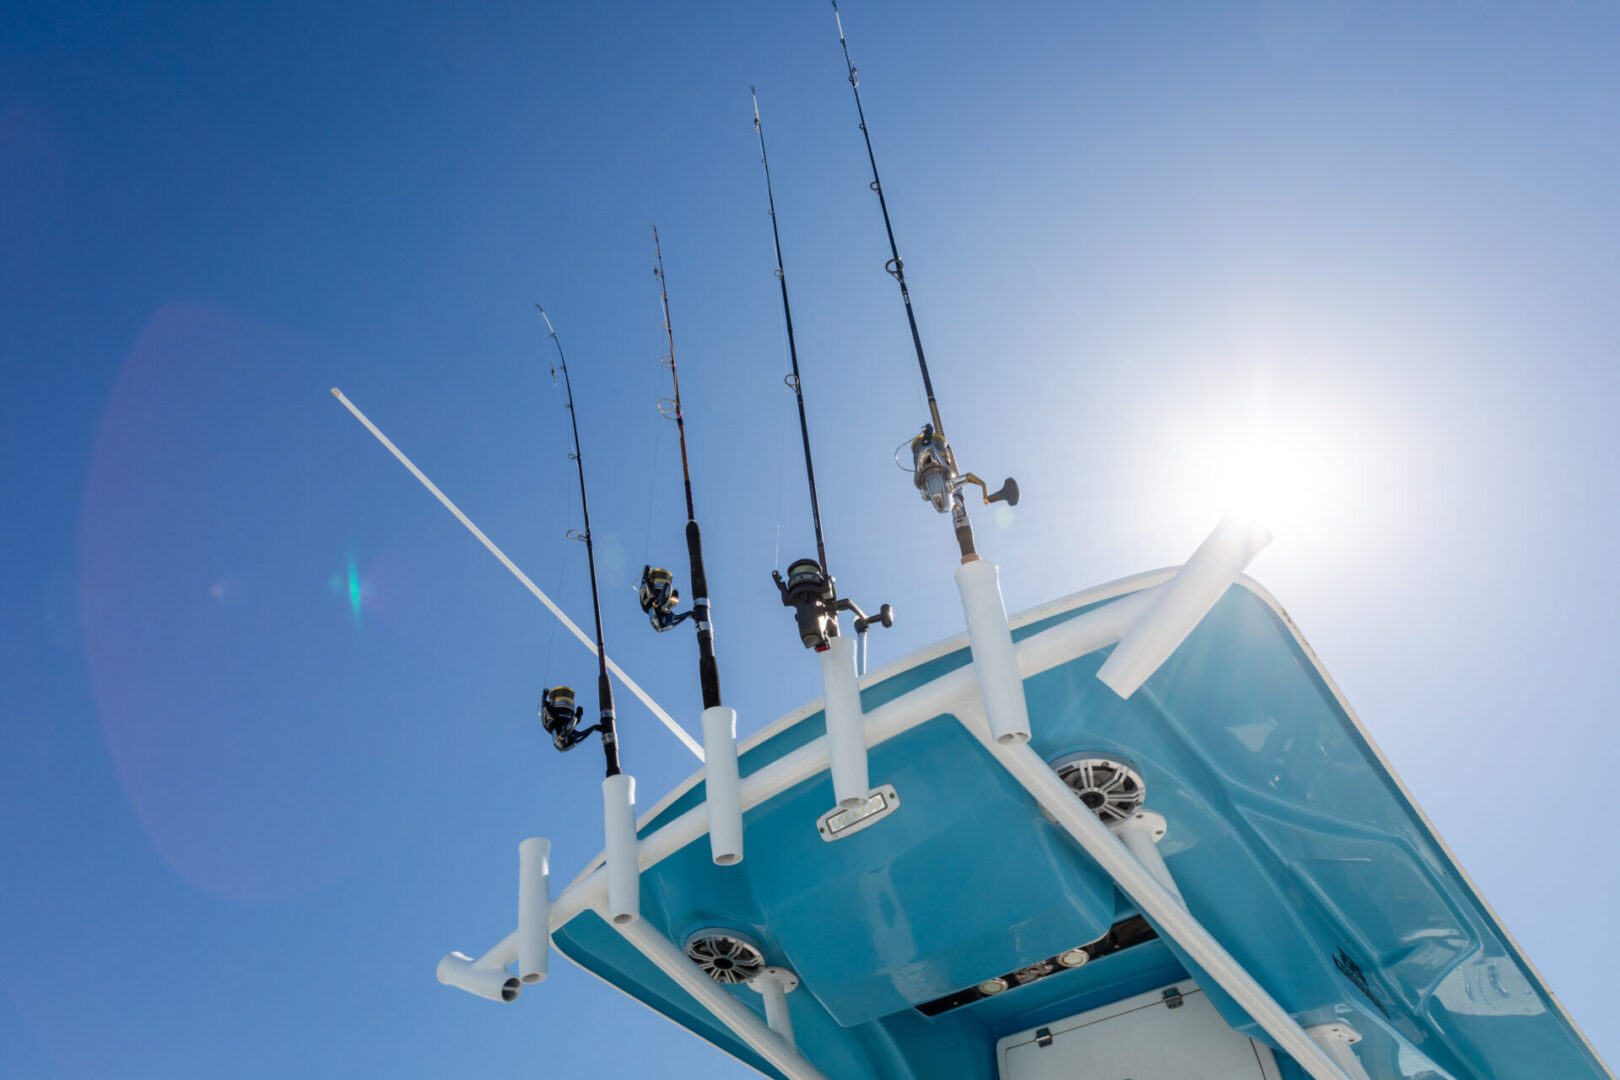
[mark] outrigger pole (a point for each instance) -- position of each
(933, 460)
(722, 781)
(527, 582)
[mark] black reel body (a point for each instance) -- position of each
(813, 596)
(560, 717)
(814, 600)
(659, 597)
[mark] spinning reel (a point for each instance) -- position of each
(658, 599)
(813, 596)
(934, 473)
(560, 717)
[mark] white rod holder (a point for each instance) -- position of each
(722, 787)
(1181, 603)
(846, 727)
(534, 908)
(995, 661)
(1338, 1040)
(464, 973)
(739, 1018)
(1141, 833)
(623, 869)
(1151, 898)
(774, 984)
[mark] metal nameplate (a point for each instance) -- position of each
(837, 823)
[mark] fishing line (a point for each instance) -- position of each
(652, 487)
(551, 639)
(781, 465)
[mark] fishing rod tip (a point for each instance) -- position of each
(337, 393)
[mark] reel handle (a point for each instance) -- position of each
(1007, 493)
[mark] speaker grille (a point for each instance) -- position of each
(725, 955)
(1110, 789)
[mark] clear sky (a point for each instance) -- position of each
(1372, 250)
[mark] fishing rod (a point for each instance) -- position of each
(658, 595)
(809, 589)
(933, 461)
(558, 713)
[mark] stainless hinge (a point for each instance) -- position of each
(1172, 998)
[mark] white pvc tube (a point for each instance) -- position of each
(1153, 899)
(1141, 833)
(1181, 603)
(534, 908)
(619, 825)
(1338, 1040)
(463, 973)
(846, 727)
(773, 990)
(995, 661)
(722, 786)
(727, 1009)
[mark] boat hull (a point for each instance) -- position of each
(1290, 838)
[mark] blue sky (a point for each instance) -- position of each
(1369, 252)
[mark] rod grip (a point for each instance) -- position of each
(708, 666)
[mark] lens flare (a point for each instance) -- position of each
(354, 589)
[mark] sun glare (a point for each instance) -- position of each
(1304, 471)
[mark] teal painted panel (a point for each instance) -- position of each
(1289, 839)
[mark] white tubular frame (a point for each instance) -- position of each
(1337, 1039)
(534, 908)
(954, 693)
(774, 984)
(483, 977)
(1141, 833)
(1072, 638)
(1182, 603)
(728, 1010)
(1151, 898)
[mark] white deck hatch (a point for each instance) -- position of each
(1138, 1038)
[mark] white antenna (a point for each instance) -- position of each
(629, 683)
